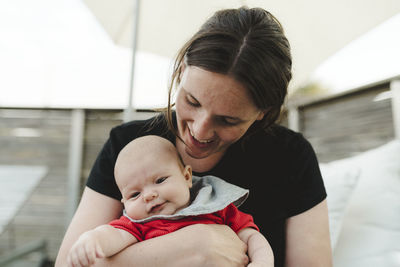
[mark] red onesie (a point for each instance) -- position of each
(230, 216)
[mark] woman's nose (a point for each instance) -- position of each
(150, 195)
(203, 128)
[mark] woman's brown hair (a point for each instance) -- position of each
(249, 45)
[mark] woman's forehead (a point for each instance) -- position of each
(221, 93)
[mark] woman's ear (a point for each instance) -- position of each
(261, 114)
(187, 173)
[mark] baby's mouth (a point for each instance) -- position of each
(157, 208)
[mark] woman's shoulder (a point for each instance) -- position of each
(128, 131)
(124, 133)
(138, 126)
(279, 148)
(277, 137)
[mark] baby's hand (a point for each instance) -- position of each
(85, 251)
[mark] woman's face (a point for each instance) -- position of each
(213, 111)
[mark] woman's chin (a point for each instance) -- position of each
(197, 154)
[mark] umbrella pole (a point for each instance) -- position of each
(128, 112)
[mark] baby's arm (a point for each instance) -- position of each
(103, 241)
(258, 248)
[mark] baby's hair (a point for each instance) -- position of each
(171, 146)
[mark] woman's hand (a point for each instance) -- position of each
(220, 246)
(198, 245)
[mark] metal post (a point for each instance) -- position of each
(395, 89)
(294, 119)
(129, 109)
(75, 161)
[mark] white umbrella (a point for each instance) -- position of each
(372, 58)
(55, 54)
(316, 28)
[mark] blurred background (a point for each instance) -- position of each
(73, 69)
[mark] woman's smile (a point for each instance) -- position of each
(201, 144)
(206, 141)
(196, 148)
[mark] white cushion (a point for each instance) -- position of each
(340, 179)
(370, 234)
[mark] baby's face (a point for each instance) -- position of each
(156, 184)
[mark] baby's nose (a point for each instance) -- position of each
(150, 195)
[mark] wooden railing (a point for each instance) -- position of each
(17, 256)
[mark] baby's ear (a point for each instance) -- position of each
(187, 173)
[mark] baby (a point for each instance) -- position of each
(159, 197)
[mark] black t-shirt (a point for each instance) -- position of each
(279, 168)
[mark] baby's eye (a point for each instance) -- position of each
(135, 195)
(160, 180)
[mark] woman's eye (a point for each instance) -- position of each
(192, 102)
(228, 121)
(160, 180)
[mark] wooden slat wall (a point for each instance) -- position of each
(348, 125)
(43, 214)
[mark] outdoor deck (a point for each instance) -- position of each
(17, 183)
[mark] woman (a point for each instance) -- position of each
(232, 78)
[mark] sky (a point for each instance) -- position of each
(56, 54)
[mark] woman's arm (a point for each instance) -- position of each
(307, 238)
(195, 245)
